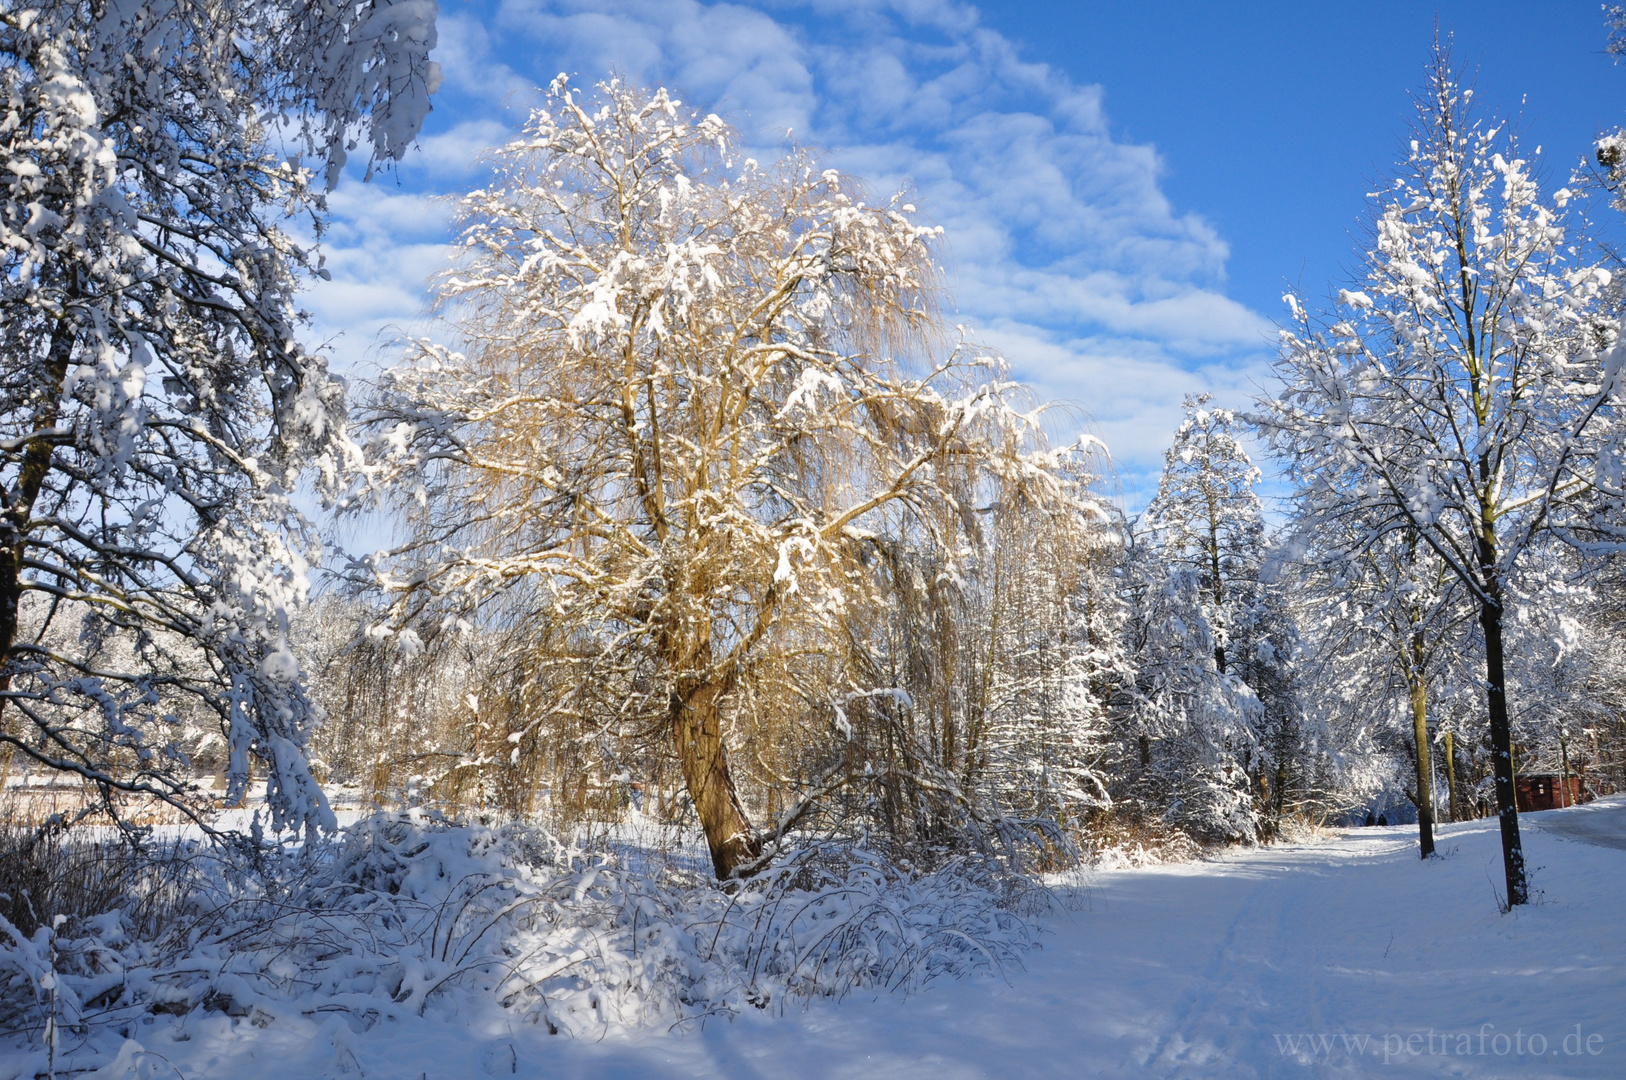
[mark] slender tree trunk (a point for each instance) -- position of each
(979, 718)
(1219, 587)
(1266, 825)
(1564, 770)
(1419, 727)
(1451, 777)
(1501, 731)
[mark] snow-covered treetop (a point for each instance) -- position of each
(1206, 505)
(1472, 382)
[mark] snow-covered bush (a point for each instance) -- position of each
(406, 915)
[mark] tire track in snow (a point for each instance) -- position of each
(1267, 975)
(1205, 991)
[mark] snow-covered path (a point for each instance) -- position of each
(1602, 822)
(1256, 965)
(1194, 971)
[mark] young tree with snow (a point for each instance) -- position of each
(1468, 395)
(1388, 616)
(156, 405)
(695, 411)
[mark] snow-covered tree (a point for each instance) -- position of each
(1044, 656)
(1207, 537)
(1192, 580)
(1388, 621)
(156, 405)
(696, 415)
(1560, 660)
(1597, 737)
(1193, 726)
(1207, 516)
(1468, 394)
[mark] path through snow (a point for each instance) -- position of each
(1602, 823)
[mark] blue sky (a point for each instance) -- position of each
(1126, 189)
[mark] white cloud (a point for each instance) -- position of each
(383, 244)
(729, 57)
(1063, 249)
(454, 155)
(469, 65)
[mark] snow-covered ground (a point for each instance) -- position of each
(1349, 958)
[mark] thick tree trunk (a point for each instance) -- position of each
(19, 509)
(1501, 731)
(1425, 792)
(697, 735)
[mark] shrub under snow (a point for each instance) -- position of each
(404, 916)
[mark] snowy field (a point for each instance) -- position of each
(1345, 958)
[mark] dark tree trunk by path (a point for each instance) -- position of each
(1507, 806)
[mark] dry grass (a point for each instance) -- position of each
(49, 869)
(1115, 840)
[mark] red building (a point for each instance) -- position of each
(1545, 791)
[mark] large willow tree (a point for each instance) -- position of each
(694, 414)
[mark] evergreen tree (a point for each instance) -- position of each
(1207, 526)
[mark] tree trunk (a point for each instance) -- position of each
(1219, 588)
(1501, 731)
(19, 509)
(1425, 794)
(1451, 777)
(1564, 770)
(1419, 727)
(1266, 824)
(697, 735)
